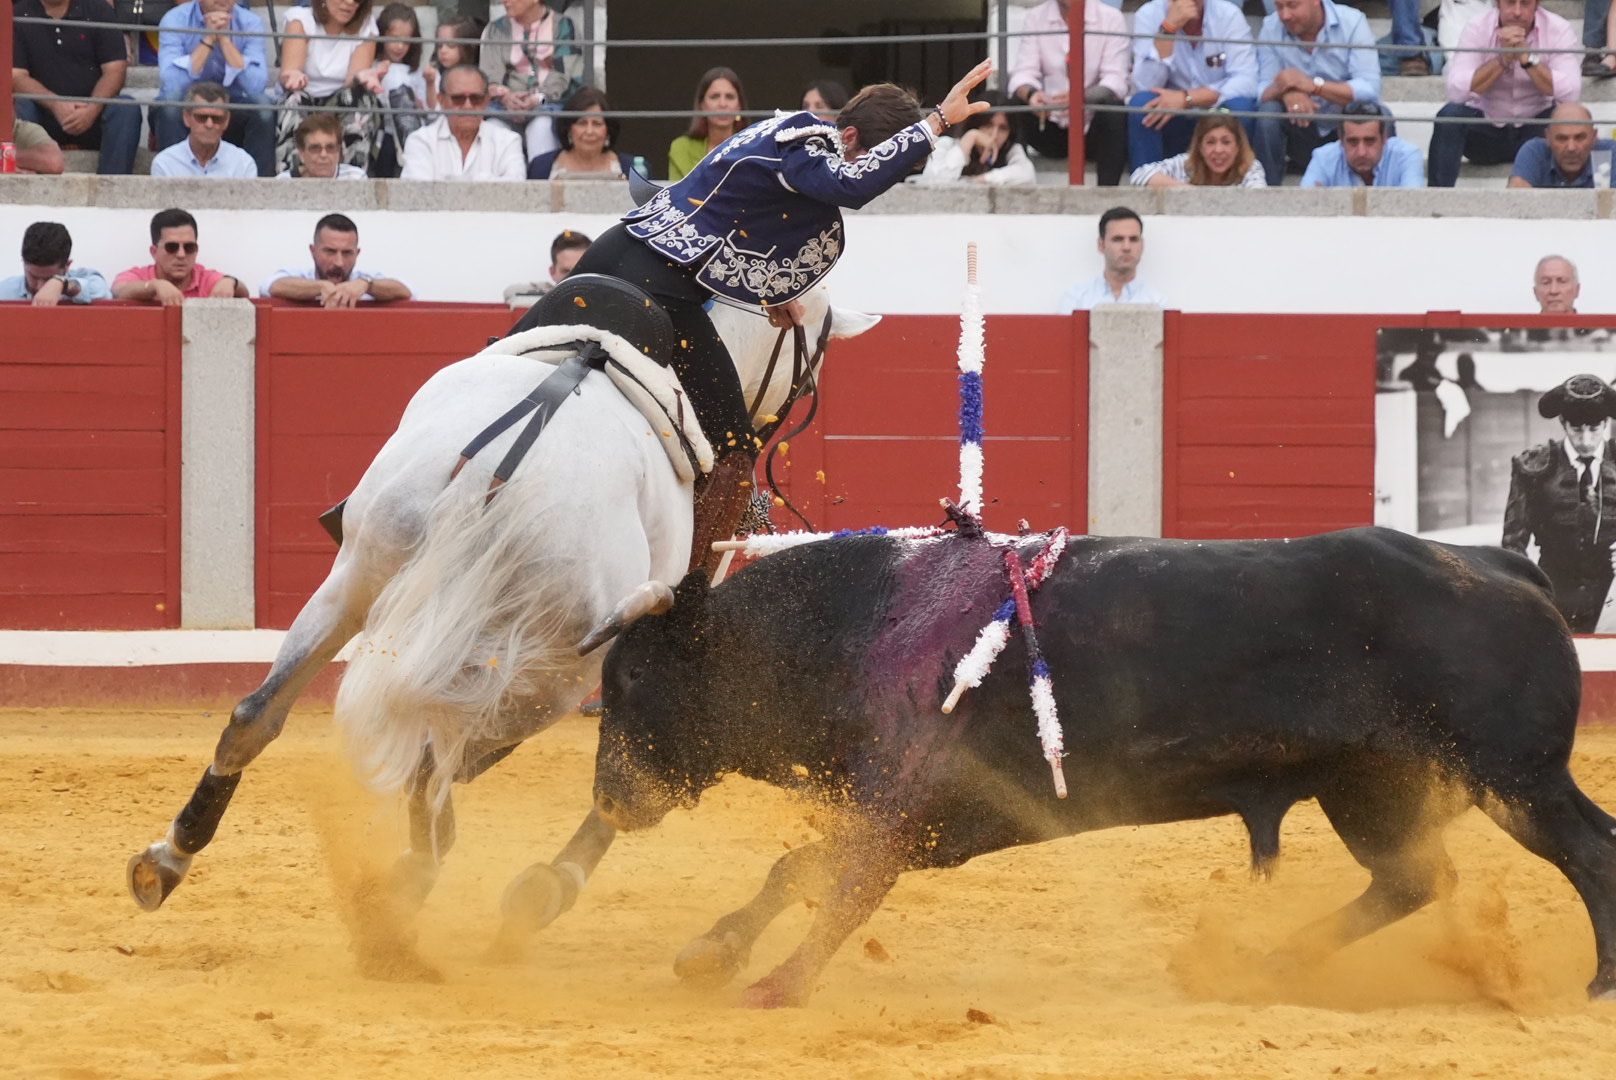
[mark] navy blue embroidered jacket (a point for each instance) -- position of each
(760, 214)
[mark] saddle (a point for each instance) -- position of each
(605, 303)
(590, 321)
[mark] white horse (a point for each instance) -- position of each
(471, 607)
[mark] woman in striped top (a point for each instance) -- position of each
(1219, 156)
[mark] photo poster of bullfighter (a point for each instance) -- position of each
(1505, 437)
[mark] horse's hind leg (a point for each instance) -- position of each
(333, 615)
(1568, 829)
(1392, 824)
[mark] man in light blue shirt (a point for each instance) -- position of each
(1366, 155)
(1121, 245)
(1177, 69)
(47, 277)
(1303, 83)
(205, 153)
(199, 43)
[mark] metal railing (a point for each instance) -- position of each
(999, 37)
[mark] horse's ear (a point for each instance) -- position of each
(846, 323)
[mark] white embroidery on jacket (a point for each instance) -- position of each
(772, 279)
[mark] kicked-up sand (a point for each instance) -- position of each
(1130, 953)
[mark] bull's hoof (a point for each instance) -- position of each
(156, 872)
(772, 993)
(711, 962)
(1603, 988)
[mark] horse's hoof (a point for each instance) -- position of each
(537, 897)
(154, 873)
(710, 962)
(769, 993)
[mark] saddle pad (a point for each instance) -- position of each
(650, 387)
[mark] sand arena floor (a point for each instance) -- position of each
(1128, 953)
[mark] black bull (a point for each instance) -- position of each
(1396, 681)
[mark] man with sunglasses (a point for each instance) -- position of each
(461, 145)
(174, 275)
(205, 153)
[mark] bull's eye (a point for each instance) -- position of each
(634, 674)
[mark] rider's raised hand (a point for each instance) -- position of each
(958, 104)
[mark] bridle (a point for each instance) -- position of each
(804, 383)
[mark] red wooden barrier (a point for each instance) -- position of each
(89, 468)
(887, 434)
(331, 386)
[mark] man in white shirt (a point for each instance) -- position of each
(1121, 245)
(336, 281)
(461, 145)
(205, 153)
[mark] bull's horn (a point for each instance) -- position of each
(651, 598)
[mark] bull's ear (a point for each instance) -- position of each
(846, 323)
(691, 593)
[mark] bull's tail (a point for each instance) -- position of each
(469, 630)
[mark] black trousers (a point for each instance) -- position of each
(702, 362)
(1106, 144)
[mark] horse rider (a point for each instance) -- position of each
(1563, 494)
(757, 224)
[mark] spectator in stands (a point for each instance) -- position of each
(323, 70)
(824, 98)
(985, 152)
(319, 151)
(720, 93)
(447, 54)
(1599, 38)
(174, 276)
(87, 63)
(1219, 156)
(47, 276)
(1366, 154)
(565, 251)
(1507, 88)
(210, 41)
(461, 144)
(402, 83)
(531, 65)
(1176, 69)
(37, 152)
(1564, 157)
(335, 280)
(1407, 29)
(1303, 84)
(1038, 78)
(1121, 246)
(586, 143)
(1556, 286)
(204, 152)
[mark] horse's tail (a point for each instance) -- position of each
(471, 628)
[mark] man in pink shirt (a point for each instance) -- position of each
(174, 275)
(1509, 88)
(1039, 77)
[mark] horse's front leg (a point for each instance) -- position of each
(333, 615)
(545, 891)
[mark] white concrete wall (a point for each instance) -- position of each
(1315, 251)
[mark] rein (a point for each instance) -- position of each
(804, 383)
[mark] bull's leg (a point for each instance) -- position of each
(862, 879)
(332, 616)
(1395, 832)
(713, 959)
(539, 895)
(1569, 830)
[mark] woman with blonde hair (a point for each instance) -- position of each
(1220, 155)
